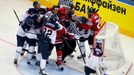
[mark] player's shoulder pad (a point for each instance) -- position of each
(30, 10)
(44, 9)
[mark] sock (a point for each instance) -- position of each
(30, 53)
(59, 57)
(82, 47)
(18, 50)
(43, 65)
(38, 56)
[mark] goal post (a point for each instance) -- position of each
(113, 57)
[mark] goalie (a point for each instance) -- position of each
(94, 63)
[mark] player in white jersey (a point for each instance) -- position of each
(27, 32)
(82, 29)
(47, 37)
(35, 10)
(94, 63)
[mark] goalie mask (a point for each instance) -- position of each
(99, 43)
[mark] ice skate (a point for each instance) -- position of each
(60, 67)
(15, 61)
(81, 56)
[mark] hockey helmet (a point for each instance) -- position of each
(50, 17)
(55, 9)
(83, 19)
(90, 10)
(29, 21)
(35, 16)
(36, 3)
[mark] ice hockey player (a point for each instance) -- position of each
(47, 37)
(59, 45)
(53, 14)
(65, 15)
(84, 29)
(80, 26)
(94, 63)
(61, 15)
(94, 23)
(37, 21)
(27, 33)
(36, 10)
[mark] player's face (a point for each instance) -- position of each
(38, 20)
(89, 14)
(37, 6)
(67, 10)
(55, 11)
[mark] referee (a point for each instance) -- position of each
(66, 3)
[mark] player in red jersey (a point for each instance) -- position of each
(59, 45)
(95, 60)
(94, 20)
(93, 26)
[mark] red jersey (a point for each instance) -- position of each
(62, 13)
(95, 22)
(61, 33)
(84, 26)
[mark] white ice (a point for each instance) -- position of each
(8, 29)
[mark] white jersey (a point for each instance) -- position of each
(24, 16)
(93, 61)
(21, 32)
(84, 33)
(48, 32)
(81, 33)
(31, 34)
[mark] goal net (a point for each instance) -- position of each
(114, 58)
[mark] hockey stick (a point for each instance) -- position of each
(68, 44)
(81, 51)
(16, 16)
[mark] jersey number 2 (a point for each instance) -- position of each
(47, 32)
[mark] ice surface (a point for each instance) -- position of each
(51, 69)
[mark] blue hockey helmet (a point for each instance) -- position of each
(35, 16)
(29, 21)
(83, 19)
(90, 10)
(50, 17)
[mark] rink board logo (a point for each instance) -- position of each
(82, 6)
